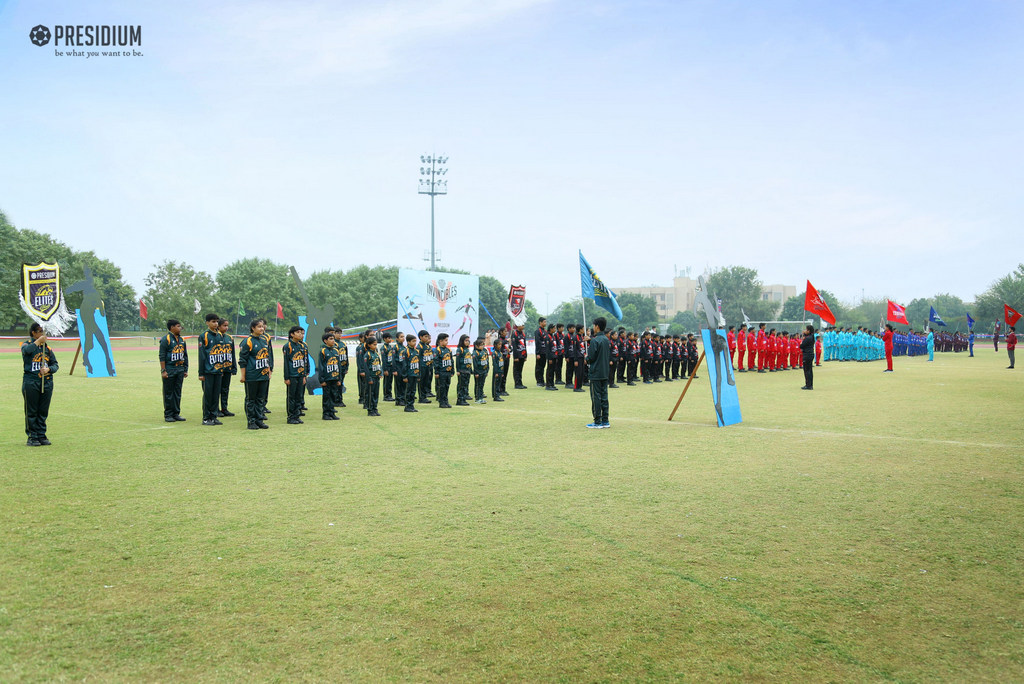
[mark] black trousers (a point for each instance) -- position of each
(293, 403)
(444, 381)
(37, 404)
(550, 380)
(809, 371)
(410, 390)
(211, 394)
(559, 362)
(331, 392)
(372, 392)
(538, 369)
(256, 392)
(362, 390)
(426, 377)
(225, 390)
(622, 370)
(462, 388)
(387, 382)
(172, 394)
(479, 383)
(599, 400)
(341, 389)
(497, 380)
(517, 371)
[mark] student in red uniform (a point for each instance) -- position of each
(741, 348)
(751, 349)
(887, 340)
(731, 338)
(762, 349)
(1011, 343)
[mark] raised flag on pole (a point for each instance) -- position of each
(896, 313)
(280, 311)
(516, 305)
(817, 306)
(1011, 316)
(198, 306)
(143, 310)
(591, 286)
(934, 317)
(970, 322)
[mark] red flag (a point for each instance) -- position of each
(280, 311)
(1011, 316)
(816, 305)
(897, 314)
(143, 311)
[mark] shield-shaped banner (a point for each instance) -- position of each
(40, 290)
(516, 300)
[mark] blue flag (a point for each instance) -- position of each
(593, 287)
(935, 318)
(970, 322)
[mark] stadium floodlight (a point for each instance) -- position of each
(431, 185)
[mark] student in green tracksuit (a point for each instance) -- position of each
(339, 344)
(269, 339)
(498, 365)
(481, 365)
(387, 360)
(212, 354)
(396, 372)
(255, 371)
(410, 373)
(39, 365)
(329, 371)
(373, 366)
(464, 367)
(173, 358)
(296, 368)
(444, 363)
(230, 367)
(360, 371)
(426, 353)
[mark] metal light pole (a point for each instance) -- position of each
(431, 184)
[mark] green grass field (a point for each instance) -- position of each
(871, 530)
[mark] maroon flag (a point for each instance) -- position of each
(897, 313)
(1011, 316)
(817, 306)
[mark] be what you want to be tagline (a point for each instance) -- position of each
(89, 41)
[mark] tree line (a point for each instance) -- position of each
(247, 288)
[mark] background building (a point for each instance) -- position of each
(680, 296)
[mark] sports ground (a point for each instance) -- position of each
(870, 530)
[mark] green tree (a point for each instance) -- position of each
(684, 321)
(740, 291)
(642, 311)
(988, 307)
(172, 289)
(370, 294)
(257, 285)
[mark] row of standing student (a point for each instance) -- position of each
(767, 351)
(401, 367)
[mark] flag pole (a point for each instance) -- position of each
(583, 300)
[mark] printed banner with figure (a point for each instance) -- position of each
(438, 303)
(723, 382)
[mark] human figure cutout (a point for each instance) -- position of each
(719, 346)
(91, 333)
(316, 317)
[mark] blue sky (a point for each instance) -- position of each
(870, 147)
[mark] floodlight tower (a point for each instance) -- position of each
(432, 184)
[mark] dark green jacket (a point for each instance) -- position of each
(36, 356)
(481, 361)
(444, 362)
(254, 356)
(296, 360)
(174, 354)
(599, 356)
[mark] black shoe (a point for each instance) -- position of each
(806, 387)
(740, 370)
(267, 411)
(342, 404)
(497, 399)
(376, 413)
(578, 390)
(179, 419)
(170, 420)
(505, 394)
(444, 406)
(217, 422)
(630, 384)
(520, 387)
(294, 421)
(431, 394)
(425, 401)
(262, 426)
(33, 442)
(218, 414)
(616, 386)
(252, 426)
(462, 402)
(229, 414)
(328, 417)
(411, 409)
(210, 422)
(540, 384)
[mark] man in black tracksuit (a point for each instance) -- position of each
(37, 384)
(599, 362)
(540, 351)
